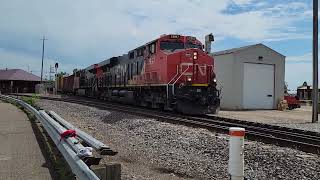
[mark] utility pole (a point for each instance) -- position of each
(56, 78)
(315, 99)
(43, 39)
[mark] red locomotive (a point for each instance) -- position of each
(171, 72)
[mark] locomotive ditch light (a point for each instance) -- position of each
(215, 80)
(189, 79)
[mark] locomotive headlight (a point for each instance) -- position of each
(189, 79)
(215, 80)
(195, 55)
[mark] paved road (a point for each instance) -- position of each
(20, 154)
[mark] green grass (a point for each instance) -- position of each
(31, 100)
(57, 163)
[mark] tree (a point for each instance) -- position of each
(75, 70)
(286, 90)
(60, 74)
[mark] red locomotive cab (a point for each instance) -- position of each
(187, 63)
(179, 63)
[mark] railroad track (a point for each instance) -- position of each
(306, 141)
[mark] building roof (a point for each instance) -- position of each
(304, 87)
(17, 75)
(233, 50)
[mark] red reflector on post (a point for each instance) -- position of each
(237, 132)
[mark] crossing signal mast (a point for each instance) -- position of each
(208, 40)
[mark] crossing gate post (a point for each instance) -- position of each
(236, 156)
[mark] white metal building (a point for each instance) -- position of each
(250, 77)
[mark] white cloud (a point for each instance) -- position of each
(118, 25)
(243, 2)
(85, 32)
(14, 60)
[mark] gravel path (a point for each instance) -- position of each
(149, 149)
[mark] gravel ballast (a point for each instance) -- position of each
(149, 149)
(299, 118)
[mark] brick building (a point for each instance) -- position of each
(304, 92)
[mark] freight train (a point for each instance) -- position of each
(172, 72)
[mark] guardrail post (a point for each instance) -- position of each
(236, 156)
(110, 171)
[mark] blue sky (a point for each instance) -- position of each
(82, 32)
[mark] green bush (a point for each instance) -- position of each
(31, 100)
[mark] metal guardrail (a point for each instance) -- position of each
(96, 144)
(69, 147)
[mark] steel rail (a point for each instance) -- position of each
(303, 140)
(283, 136)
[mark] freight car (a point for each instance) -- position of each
(70, 83)
(171, 72)
(59, 83)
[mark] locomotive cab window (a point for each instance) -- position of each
(171, 45)
(140, 52)
(191, 45)
(131, 55)
(152, 48)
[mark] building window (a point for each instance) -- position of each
(131, 55)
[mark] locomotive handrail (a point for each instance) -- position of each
(179, 78)
(175, 75)
(181, 74)
(171, 80)
(176, 79)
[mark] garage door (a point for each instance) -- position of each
(258, 86)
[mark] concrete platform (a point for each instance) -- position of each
(299, 115)
(299, 118)
(20, 154)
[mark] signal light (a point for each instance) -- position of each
(195, 55)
